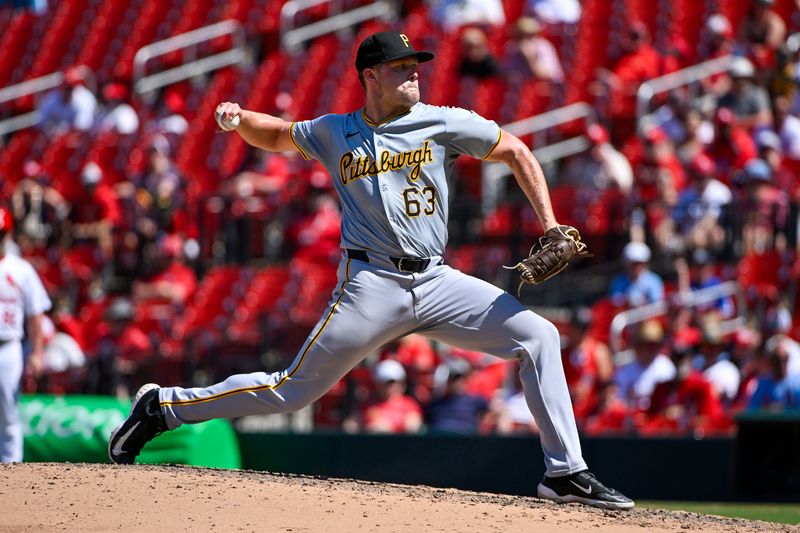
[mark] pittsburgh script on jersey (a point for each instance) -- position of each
(352, 168)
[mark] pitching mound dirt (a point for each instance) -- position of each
(84, 497)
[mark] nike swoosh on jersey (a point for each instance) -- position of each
(585, 490)
(117, 450)
(350, 134)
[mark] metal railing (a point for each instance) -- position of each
(684, 77)
(144, 83)
(32, 87)
(684, 299)
(549, 119)
(494, 173)
(292, 38)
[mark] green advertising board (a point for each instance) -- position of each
(75, 428)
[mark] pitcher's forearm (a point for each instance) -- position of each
(531, 179)
(263, 131)
(257, 129)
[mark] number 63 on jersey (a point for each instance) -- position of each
(420, 201)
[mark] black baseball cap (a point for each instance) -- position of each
(386, 46)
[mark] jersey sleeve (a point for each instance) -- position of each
(471, 134)
(34, 296)
(313, 138)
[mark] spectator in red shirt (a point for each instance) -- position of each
(174, 282)
(416, 354)
(392, 411)
(118, 114)
(716, 41)
(732, 147)
(639, 62)
(93, 216)
(681, 404)
(270, 174)
(677, 55)
(588, 366)
(745, 353)
(763, 30)
(659, 177)
(317, 235)
(120, 350)
(612, 414)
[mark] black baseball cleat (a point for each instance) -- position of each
(144, 422)
(582, 487)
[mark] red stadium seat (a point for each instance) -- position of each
(55, 42)
(105, 27)
(13, 157)
(13, 44)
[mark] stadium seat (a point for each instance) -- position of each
(106, 26)
(13, 157)
(14, 42)
(66, 24)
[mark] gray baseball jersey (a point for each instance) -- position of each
(392, 180)
(392, 177)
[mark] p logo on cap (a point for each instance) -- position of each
(386, 46)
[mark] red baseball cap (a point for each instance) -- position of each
(170, 245)
(73, 76)
(703, 165)
(655, 135)
(115, 91)
(6, 221)
(597, 134)
(725, 116)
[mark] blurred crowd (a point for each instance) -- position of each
(703, 193)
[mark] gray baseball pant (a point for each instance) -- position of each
(374, 304)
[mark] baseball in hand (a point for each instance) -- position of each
(227, 124)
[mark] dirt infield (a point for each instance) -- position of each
(85, 497)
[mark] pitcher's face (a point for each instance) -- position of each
(398, 82)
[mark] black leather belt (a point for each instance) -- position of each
(403, 264)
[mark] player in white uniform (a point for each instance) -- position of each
(22, 296)
(391, 162)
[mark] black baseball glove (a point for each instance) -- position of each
(550, 255)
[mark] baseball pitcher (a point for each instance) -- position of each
(390, 162)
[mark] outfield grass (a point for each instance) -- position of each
(786, 513)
